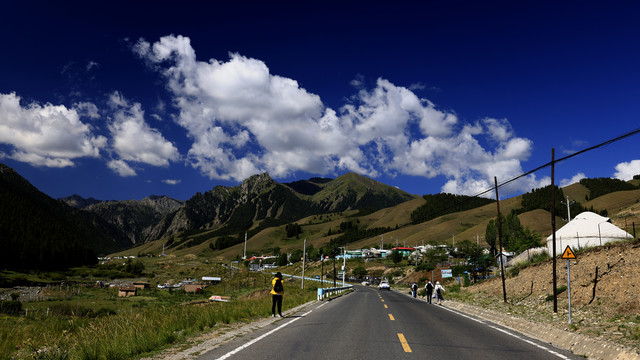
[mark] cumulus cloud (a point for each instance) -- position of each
(242, 120)
(626, 170)
(47, 135)
(121, 168)
(171, 181)
(576, 178)
(133, 140)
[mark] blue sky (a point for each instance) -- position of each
(121, 100)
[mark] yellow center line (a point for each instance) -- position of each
(404, 343)
(391, 317)
(385, 306)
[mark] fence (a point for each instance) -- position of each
(323, 292)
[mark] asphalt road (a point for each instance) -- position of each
(370, 324)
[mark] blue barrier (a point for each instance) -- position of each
(322, 292)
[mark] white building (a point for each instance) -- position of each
(586, 230)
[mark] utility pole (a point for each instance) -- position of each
(504, 288)
(333, 254)
(304, 256)
(322, 271)
(344, 264)
(568, 203)
(553, 230)
(453, 242)
(382, 242)
(245, 246)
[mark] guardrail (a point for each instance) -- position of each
(322, 292)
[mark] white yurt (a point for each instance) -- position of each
(586, 230)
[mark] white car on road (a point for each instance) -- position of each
(384, 285)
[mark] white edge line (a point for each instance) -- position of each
(508, 333)
(530, 342)
(236, 350)
(463, 315)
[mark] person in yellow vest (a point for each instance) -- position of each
(277, 290)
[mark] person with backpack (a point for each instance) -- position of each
(439, 292)
(429, 288)
(414, 289)
(277, 290)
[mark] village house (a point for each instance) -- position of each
(126, 291)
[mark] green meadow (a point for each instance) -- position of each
(80, 321)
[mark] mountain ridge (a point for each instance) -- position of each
(256, 203)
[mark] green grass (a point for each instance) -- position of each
(77, 328)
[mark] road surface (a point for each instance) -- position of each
(373, 324)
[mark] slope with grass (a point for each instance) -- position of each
(604, 293)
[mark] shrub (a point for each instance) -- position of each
(559, 291)
(425, 266)
(11, 307)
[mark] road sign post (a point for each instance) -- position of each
(569, 254)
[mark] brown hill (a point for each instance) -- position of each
(605, 295)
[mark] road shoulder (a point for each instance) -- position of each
(578, 344)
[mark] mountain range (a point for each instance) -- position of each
(258, 202)
(36, 229)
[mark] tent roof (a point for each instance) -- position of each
(588, 224)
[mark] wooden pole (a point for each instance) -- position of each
(553, 230)
(504, 288)
(304, 257)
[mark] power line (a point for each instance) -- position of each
(608, 142)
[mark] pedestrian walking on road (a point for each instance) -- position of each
(439, 292)
(429, 288)
(277, 290)
(414, 289)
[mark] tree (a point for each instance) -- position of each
(296, 256)
(491, 236)
(396, 256)
(282, 260)
(293, 230)
(360, 271)
(135, 267)
(515, 237)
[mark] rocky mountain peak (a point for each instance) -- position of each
(257, 184)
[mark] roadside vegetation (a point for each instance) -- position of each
(80, 322)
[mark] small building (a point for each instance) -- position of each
(193, 288)
(127, 291)
(504, 257)
(141, 285)
(405, 251)
(211, 279)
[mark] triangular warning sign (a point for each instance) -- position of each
(568, 253)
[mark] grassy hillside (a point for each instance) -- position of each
(576, 192)
(467, 225)
(623, 208)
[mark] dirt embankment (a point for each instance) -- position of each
(605, 293)
(605, 279)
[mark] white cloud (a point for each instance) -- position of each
(132, 138)
(171, 181)
(499, 130)
(242, 120)
(47, 135)
(626, 170)
(121, 168)
(576, 178)
(91, 65)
